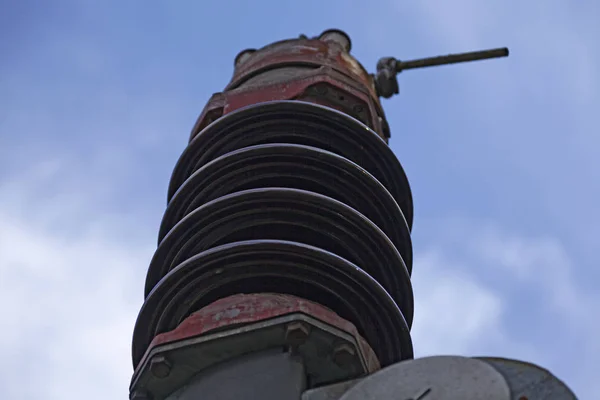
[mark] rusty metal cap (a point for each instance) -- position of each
(337, 36)
(243, 56)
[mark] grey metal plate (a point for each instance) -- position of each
(529, 381)
(269, 375)
(433, 378)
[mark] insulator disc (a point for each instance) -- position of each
(273, 266)
(298, 167)
(297, 122)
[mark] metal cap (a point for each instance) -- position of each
(337, 36)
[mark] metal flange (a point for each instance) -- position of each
(331, 348)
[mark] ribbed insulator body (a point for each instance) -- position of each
(289, 195)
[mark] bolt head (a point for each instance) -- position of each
(344, 354)
(160, 367)
(296, 333)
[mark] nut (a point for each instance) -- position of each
(344, 354)
(160, 367)
(296, 333)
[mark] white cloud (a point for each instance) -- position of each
(454, 314)
(543, 267)
(69, 298)
(521, 292)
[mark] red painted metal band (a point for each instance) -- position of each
(301, 52)
(250, 308)
(223, 103)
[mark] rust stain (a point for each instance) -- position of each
(250, 308)
(312, 62)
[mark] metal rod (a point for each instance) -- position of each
(452, 59)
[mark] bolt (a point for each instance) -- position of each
(160, 367)
(357, 108)
(343, 354)
(296, 333)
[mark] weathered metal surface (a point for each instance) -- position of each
(337, 36)
(451, 377)
(289, 69)
(313, 52)
(429, 378)
(244, 324)
(249, 308)
(530, 382)
(268, 375)
(330, 88)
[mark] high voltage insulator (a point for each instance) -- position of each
(284, 255)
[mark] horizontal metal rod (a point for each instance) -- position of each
(452, 59)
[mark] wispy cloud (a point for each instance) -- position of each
(533, 115)
(518, 164)
(69, 295)
(524, 286)
(456, 313)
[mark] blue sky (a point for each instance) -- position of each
(97, 99)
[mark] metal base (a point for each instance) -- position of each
(233, 328)
(267, 375)
(282, 375)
